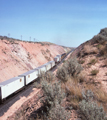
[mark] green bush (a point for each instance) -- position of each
(73, 67)
(92, 61)
(99, 39)
(58, 113)
(94, 72)
(48, 76)
(103, 52)
(89, 110)
(53, 96)
(62, 74)
(103, 32)
(81, 61)
(52, 92)
(70, 68)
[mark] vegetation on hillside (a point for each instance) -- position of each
(70, 83)
(70, 89)
(81, 94)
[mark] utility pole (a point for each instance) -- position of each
(8, 34)
(21, 37)
(30, 38)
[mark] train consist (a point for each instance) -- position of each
(13, 85)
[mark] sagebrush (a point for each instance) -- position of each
(89, 110)
(53, 96)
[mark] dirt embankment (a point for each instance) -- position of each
(17, 57)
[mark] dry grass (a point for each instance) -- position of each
(101, 95)
(88, 49)
(89, 86)
(82, 77)
(99, 92)
(74, 92)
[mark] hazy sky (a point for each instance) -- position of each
(64, 22)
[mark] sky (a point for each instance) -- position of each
(63, 22)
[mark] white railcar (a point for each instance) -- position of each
(48, 66)
(52, 64)
(14, 84)
(10, 86)
(42, 68)
(57, 58)
(30, 76)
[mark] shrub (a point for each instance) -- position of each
(70, 68)
(99, 39)
(73, 67)
(48, 76)
(53, 96)
(92, 61)
(81, 61)
(99, 46)
(89, 110)
(62, 74)
(58, 113)
(52, 92)
(103, 32)
(36, 85)
(82, 77)
(103, 51)
(94, 72)
(88, 95)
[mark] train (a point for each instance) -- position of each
(15, 84)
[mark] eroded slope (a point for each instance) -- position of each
(17, 57)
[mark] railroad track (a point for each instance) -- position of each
(24, 92)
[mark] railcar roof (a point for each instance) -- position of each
(9, 81)
(29, 72)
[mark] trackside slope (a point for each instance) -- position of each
(17, 57)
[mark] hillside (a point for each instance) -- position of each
(77, 90)
(17, 57)
(92, 55)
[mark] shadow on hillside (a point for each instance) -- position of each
(38, 113)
